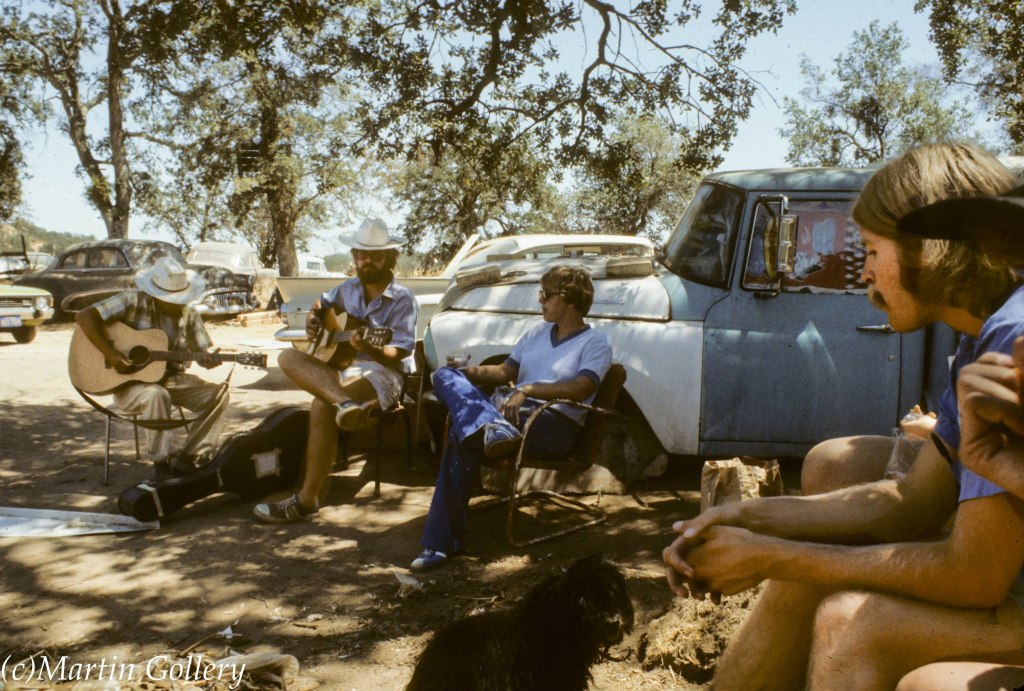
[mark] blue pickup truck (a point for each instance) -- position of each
(750, 334)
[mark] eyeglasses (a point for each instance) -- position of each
(369, 256)
(546, 295)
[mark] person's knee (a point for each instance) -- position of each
(288, 360)
(920, 679)
(838, 614)
(843, 462)
(155, 395)
(443, 375)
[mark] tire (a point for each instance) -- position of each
(24, 334)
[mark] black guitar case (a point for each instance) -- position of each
(251, 464)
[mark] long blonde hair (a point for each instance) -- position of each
(948, 271)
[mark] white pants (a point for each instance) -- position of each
(155, 401)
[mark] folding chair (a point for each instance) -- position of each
(580, 459)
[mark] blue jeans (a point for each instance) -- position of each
(552, 436)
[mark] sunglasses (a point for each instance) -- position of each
(546, 295)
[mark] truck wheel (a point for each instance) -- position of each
(24, 334)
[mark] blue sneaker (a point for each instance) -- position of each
(501, 440)
(428, 560)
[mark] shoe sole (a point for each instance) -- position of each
(428, 567)
(503, 449)
(354, 419)
(268, 518)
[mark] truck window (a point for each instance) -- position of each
(701, 246)
(829, 256)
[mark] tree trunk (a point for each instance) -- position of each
(122, 203)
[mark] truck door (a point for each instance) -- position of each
(788, 364)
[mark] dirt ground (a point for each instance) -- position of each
(212, 580)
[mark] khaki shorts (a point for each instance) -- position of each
(386, 382)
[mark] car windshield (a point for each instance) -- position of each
(12, 264)
(701, 246)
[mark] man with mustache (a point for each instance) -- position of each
(862, 585)
(343, 399)
(991, 395)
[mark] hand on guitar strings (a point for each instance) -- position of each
(361, 345)
(118, 361)
(314, 321)
(208, 360)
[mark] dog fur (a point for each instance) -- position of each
(546, 642)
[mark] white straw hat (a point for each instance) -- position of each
(372, 235)
(169, 281)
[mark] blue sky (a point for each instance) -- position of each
(821, 29)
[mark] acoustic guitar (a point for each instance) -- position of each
(331, 342)
(147, 351)
(251, 464)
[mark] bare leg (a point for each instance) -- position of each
(771, 647)
(312, 375)
(324, 383)
(869, 640)
(844, 462)
(963, 676)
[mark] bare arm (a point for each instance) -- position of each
(888, 510)
(91, 324)
(490, 375)
(885, 511)
(974, 567)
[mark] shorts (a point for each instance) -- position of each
(386, 381)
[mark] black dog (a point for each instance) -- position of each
(547, 642)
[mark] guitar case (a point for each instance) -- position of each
(250, 464)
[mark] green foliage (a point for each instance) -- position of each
(256, 74)
(485, 184)
(873, 107)
(441, 72)
(982, 42)
(639, 187)
(79, 55)
(37, 239)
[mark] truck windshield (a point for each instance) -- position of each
(701, 246)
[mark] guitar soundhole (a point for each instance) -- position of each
(139, 355)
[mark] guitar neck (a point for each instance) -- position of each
(190, 356)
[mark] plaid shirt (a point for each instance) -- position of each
(139, 310)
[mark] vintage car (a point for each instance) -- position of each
(88, 272)
(238, 259)
(22, 309)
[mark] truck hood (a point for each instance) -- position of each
(643, 298)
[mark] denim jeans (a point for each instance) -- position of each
(552, 436)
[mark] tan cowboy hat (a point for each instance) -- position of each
(372, 235)
(169, 281)
(996, 224)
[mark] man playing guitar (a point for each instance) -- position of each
(345, 389)
(161, 301)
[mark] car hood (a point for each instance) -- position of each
(616, 296)
(217, 278)
(22, 290)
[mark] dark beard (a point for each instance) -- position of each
(371, 275)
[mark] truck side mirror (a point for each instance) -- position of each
(787, 243)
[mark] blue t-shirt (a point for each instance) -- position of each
(539, 357)
(396, 309)
(997, 334)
